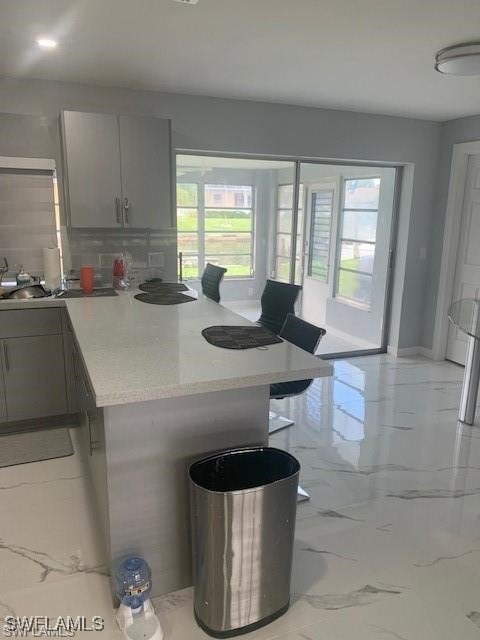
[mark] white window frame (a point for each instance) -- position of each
(300, 231)
(201, 208)
(338, 248)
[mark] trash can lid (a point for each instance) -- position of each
(241, 469)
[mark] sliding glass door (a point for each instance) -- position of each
(346, 252)
(324, 226)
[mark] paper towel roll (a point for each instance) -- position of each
(51, 268)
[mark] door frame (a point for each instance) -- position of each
(402, 208)
(451, 239)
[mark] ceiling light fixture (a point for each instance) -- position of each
(46, 43)
(459, 59)
(187, 1)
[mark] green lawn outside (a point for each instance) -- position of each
(188, 221)
(226, 222)
(231, 245)
(234, 271)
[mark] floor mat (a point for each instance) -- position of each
(33, 446)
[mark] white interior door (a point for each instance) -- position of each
(357, 306)
(319, 253)
(467, 271)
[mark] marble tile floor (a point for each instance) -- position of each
(388, 546)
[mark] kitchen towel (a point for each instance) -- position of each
(51, 268)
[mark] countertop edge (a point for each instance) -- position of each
(177, 391)
(32, 303)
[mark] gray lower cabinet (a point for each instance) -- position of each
(83, 394)
(34, 377)
(33, 365)
(69, 351)
(3, 404)
(118, 170)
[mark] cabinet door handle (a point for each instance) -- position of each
(126, 207)
(5, 356)
(93, 444)
(85, 388)
(89, 433)
(117, 210)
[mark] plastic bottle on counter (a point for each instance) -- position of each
(119, 276)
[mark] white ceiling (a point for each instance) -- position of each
(360, 55)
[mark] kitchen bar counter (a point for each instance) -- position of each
(155, 396)
(134, 352)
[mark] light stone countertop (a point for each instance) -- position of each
(31, 303)
(135, 352)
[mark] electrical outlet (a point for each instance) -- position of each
(105, 260)
(156, 259)
(250, 292)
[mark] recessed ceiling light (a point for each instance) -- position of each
(187, 1)
(459, 59)
(46, 43)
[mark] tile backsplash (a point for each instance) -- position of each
(150, 253)
(27, 225)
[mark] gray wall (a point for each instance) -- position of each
(255, 127)
(452, 132)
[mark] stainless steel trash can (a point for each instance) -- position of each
(243, 506)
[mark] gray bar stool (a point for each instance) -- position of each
(278, 300)
(306, 336)
(211, 278)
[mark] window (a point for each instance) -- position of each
(187, 227)
(283, 231)
(357, 240)
(216, 224)
(320, 225)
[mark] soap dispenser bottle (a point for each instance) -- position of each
(23, 278)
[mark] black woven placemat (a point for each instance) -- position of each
(164, 298)
(162, 287)
(239, 337)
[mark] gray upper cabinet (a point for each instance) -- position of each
(34, 376)
(93, 181)
(118, 171)
(146, 163)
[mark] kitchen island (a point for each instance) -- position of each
(155, 397)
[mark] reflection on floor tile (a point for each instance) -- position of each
(388, 546)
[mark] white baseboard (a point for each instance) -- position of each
(426, 353)
(405, 352)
